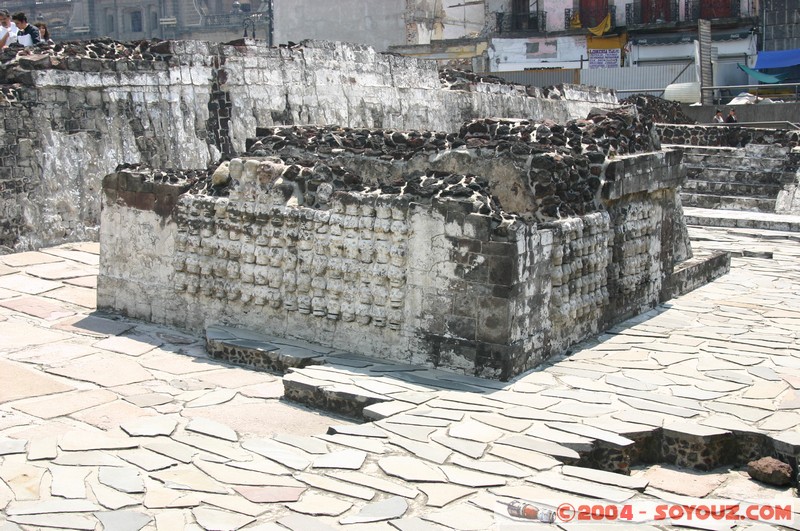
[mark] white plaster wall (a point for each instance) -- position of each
(551, 52)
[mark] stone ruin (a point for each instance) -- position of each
(416, 231)
(484, 251)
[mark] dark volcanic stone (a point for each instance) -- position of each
(770, 471)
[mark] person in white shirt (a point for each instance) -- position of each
(8, 30)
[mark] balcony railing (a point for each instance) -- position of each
(712, 9)
(651, 12)
(533, 21)
(590, 18)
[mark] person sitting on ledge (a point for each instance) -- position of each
(27, 35)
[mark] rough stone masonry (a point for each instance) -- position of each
(71, 112)
(484, 250)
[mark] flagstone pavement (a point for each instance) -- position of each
(109, 423)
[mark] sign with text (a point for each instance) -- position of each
(604, 58)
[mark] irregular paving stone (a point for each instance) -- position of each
(369, 445)
(463, 517)
(501, 422)
(58, 521)
(23, 479)
(410, 469)
(415, 433)
(338, 487)
(491, 466)
(523, 457)
(475, 431)
(213, 445)
(470, 478)
(131, 345)
(441, 494)
(347, 459)
(112, 499)
(213, 398)
(187, 478)
(684, 482)
(147, 460)
(125, 480)
(318, 505)
(212, 429)
(235, 503)
(172, 449)
(749, 414)
(270, 494)
(418, 420)
(591, 432)
(413, 524)
(658, 407)
(42, 448)
(159, 497)
(238, 476)
(68, 482)
(149, 399)
(377, 483)
(280, 453)
(387, 509)
(12, 446)
(382, 410)
(64, 403)
(104, 370)
(607, 478)
(261, 465)
(92, 325)
(581, 487)
(578, 443)
(217, 520)
(301, 522)
(37, 307)
(309, 445)
(770, 471)
(123, 520)
(48, 506)
(90, 458)
(428, 451)
(541, 446)
(469, 448)
(149, 426)
(79, 441)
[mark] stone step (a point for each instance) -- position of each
(740, 157)
(739, 175)
(765, 191)
(261, 352)
(728, 202)
(741, 219)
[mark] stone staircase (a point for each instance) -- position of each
(748, 178)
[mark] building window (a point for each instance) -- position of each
(109, 22)
(153, 20)
(136, 21)
(531, 47)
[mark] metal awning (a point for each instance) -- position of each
(778, 59)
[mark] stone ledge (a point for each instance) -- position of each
(694, 273)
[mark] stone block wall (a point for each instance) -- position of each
(373, 257)
(71, 114)
(726, 136)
